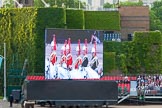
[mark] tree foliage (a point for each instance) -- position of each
(129, 3)
(60, 3)
(156, 16)
(107, 5)
(8, 4)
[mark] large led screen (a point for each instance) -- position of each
(73, 54)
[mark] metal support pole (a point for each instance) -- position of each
(4, 98)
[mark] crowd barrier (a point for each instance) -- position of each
(112, 37)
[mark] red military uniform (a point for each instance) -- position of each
(63, 59)
(78, 62)
(69, 60)
(63, 54)
(53, 57)
(78, 59)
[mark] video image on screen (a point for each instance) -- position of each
(73, 54)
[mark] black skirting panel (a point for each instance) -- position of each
(82, 92)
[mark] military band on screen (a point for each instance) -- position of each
(66, 67)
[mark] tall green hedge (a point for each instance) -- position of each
(23, 31)
(74, 19)
(142, 55)
(18, 34)
(153, 37)
(102, 20)
(149, 50)
(109, 62)
(111, 46)
(46, 18)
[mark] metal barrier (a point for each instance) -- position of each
(112, 37)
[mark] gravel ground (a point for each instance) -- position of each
(5, 104)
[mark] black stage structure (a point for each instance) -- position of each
(72, 92)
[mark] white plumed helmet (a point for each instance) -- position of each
(77, 48)
(67, 47)
(84, 48)
(63, 48)
(53, 53)
(93, 50)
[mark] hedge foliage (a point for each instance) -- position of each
(102, 20)
(75, 19)
(148, 37)
(142, 55)
(109, 62)
(46, 18)
(23, 32)
(17, 31)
